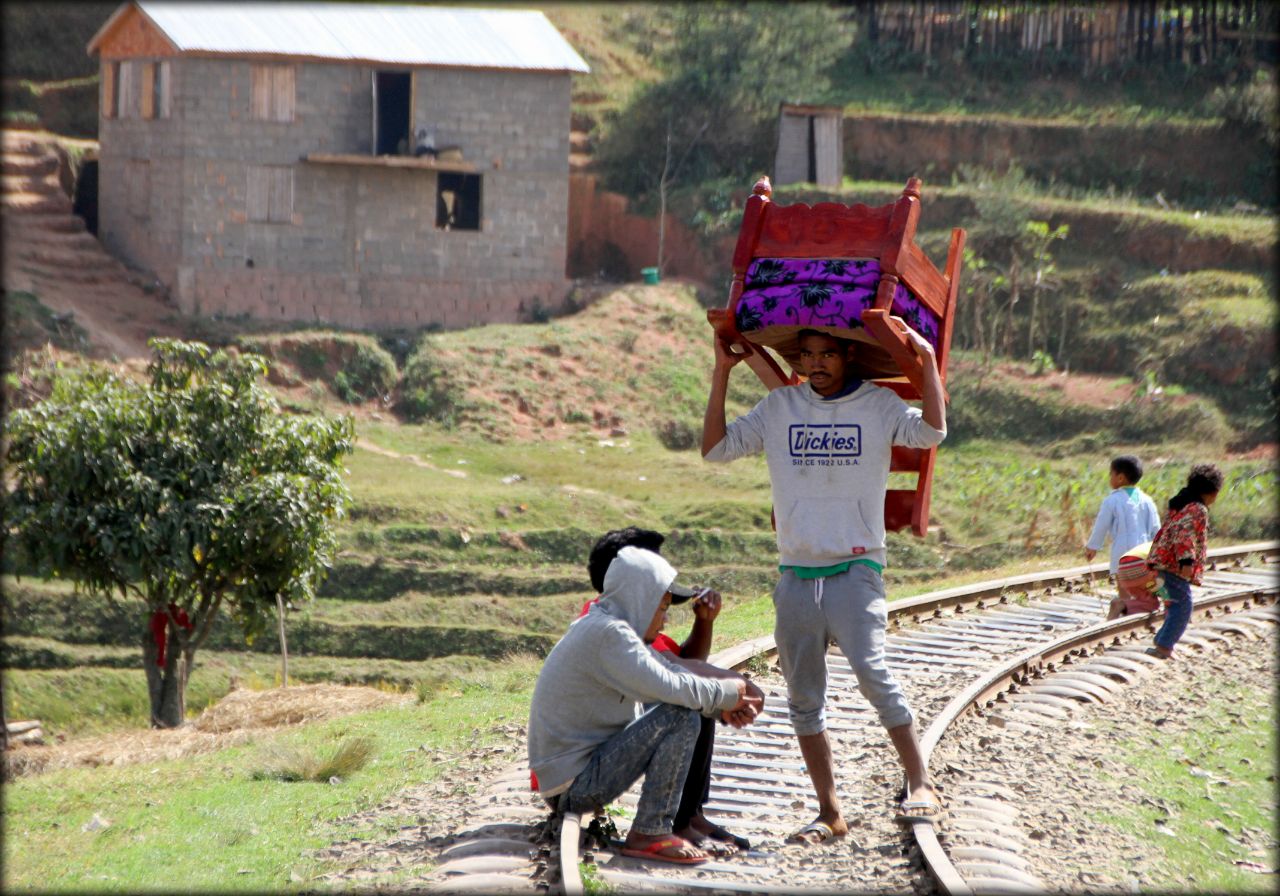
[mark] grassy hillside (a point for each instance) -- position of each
(467, 538)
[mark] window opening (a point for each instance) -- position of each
(391, 97)
(813, 153)
(457, 201)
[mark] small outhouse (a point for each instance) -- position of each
(810, 148)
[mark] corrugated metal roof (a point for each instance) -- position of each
(399, 35)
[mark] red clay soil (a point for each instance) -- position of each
(48, 252)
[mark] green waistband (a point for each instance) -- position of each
(821, 572)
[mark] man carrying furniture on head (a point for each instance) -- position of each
(828, 445)
(588, 739)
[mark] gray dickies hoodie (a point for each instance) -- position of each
(594, 680)
(829, 466)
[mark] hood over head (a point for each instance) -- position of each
(634, 585)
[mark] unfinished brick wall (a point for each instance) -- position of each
(360, 246)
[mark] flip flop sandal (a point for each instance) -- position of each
(723, 836)
(821, 828)
(654, 851)
(912, 811)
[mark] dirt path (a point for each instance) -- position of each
(48, 252)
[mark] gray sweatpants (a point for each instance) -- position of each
(850, 609)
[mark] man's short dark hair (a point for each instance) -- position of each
(1128, 466)
(845, 344)
(608, 545)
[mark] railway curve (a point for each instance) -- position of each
(1016, 652)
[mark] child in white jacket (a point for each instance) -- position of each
(1128, 516)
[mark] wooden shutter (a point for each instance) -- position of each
(283, 93)
(269, 194)
(110, 88)
(148, 105)
(164, 90)
(272, 91)
(260, 92)
(126, 94)
(257, 193)
(280, 199)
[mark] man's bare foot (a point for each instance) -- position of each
(923, 793)
(707, 844)
(707, 829)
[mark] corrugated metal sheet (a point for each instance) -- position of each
(396, 35)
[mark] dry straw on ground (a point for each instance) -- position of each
(237, 718)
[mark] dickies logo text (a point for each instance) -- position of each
(825, 440)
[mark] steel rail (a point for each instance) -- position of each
(1033, 663)
(948, 603)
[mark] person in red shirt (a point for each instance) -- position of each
(690, 820)
(1178, 552)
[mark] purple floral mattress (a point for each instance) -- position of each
(782, 296)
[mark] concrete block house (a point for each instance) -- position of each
(364, 165)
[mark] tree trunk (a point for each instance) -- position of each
(284, 646)
(167, 685)
(662, 201)
(1031, 325)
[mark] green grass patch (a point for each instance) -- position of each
(1212, 786)
(294, 763)
(206, 824)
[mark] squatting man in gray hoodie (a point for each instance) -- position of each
(828, 444)
(589, 737)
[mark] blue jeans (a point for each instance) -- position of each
(657, 745)
(1178, 611)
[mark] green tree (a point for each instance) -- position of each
(189, 491)
(726, 68)
(1011, 254)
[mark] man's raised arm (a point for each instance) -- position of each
(713, 424)
(933, 406)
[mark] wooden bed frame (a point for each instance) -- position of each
(886, 233)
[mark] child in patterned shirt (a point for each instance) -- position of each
(1178, 552)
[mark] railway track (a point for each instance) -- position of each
(1020, 652)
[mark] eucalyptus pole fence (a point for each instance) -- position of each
(1088, 35)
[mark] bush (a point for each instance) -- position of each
(291, 763)
(69, 108)
(423, 392)
(354, 366)
(679, 434)
(1250, 108)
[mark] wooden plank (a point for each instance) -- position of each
(126, 91)
(283, 92)
(371, 161)
(280, 195)
(148, 103)
(164, 88)
(258, 193)
(110, 89)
